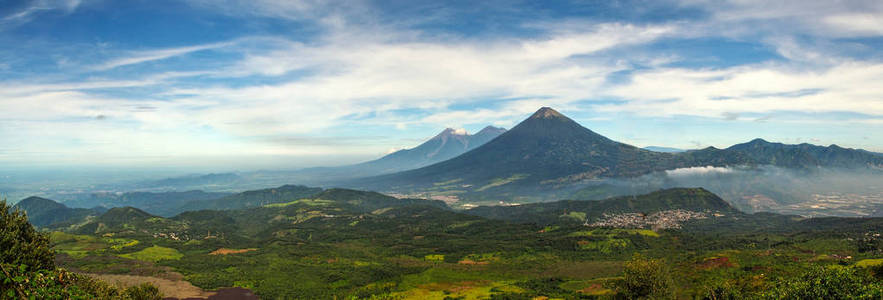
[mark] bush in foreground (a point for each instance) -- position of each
(645, 278)
(27, 269)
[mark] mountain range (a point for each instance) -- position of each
(446, 145)
(549, 151)
(546, 156)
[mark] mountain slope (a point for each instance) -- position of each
(447, 144)
(547, 149)
(370, 201)
(44, 212)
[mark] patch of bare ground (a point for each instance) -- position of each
(582, 269)
(454, 287)
(168, 288)
(593, 288)
(472, 262)
(225, 251)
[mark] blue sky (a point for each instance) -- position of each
(230, 84)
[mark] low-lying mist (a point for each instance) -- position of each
(808, 192)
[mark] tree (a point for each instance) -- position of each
(20, 243)
(27, 268)
(830, 282)
(645, 278)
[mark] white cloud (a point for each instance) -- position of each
(857, 23)
(35, 7)
(822, 18)
(846, 87)
(693, 171)
(329, 13)
(352, 74)
(138, 57)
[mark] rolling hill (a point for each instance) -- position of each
(254, 198)
(575, 211)
(248, 222)
(44, 212)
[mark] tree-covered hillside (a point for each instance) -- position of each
(254, 198)
(45, 212)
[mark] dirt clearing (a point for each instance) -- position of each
(225, 251)
(168, 288)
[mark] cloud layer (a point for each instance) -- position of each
(332, 72)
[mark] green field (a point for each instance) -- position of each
(154, 254)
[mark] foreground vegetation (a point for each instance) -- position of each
(27, 268)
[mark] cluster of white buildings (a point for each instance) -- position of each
(657, 221)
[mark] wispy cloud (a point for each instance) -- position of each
(859, 24)
(137, 57)
(846, 87)
(33, 8)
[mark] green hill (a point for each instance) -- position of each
(369, 201)
(44, 212)
(254, 198)
(243, 224)
(576, 211)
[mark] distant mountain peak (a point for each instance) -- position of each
(491, 130)
(547, 113)
(758, 141)
(448, 132)
(33, 202)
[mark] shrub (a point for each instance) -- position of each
(27, 269)
(20, 243)
(832, 282)
(144, 291)
(645, 278)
